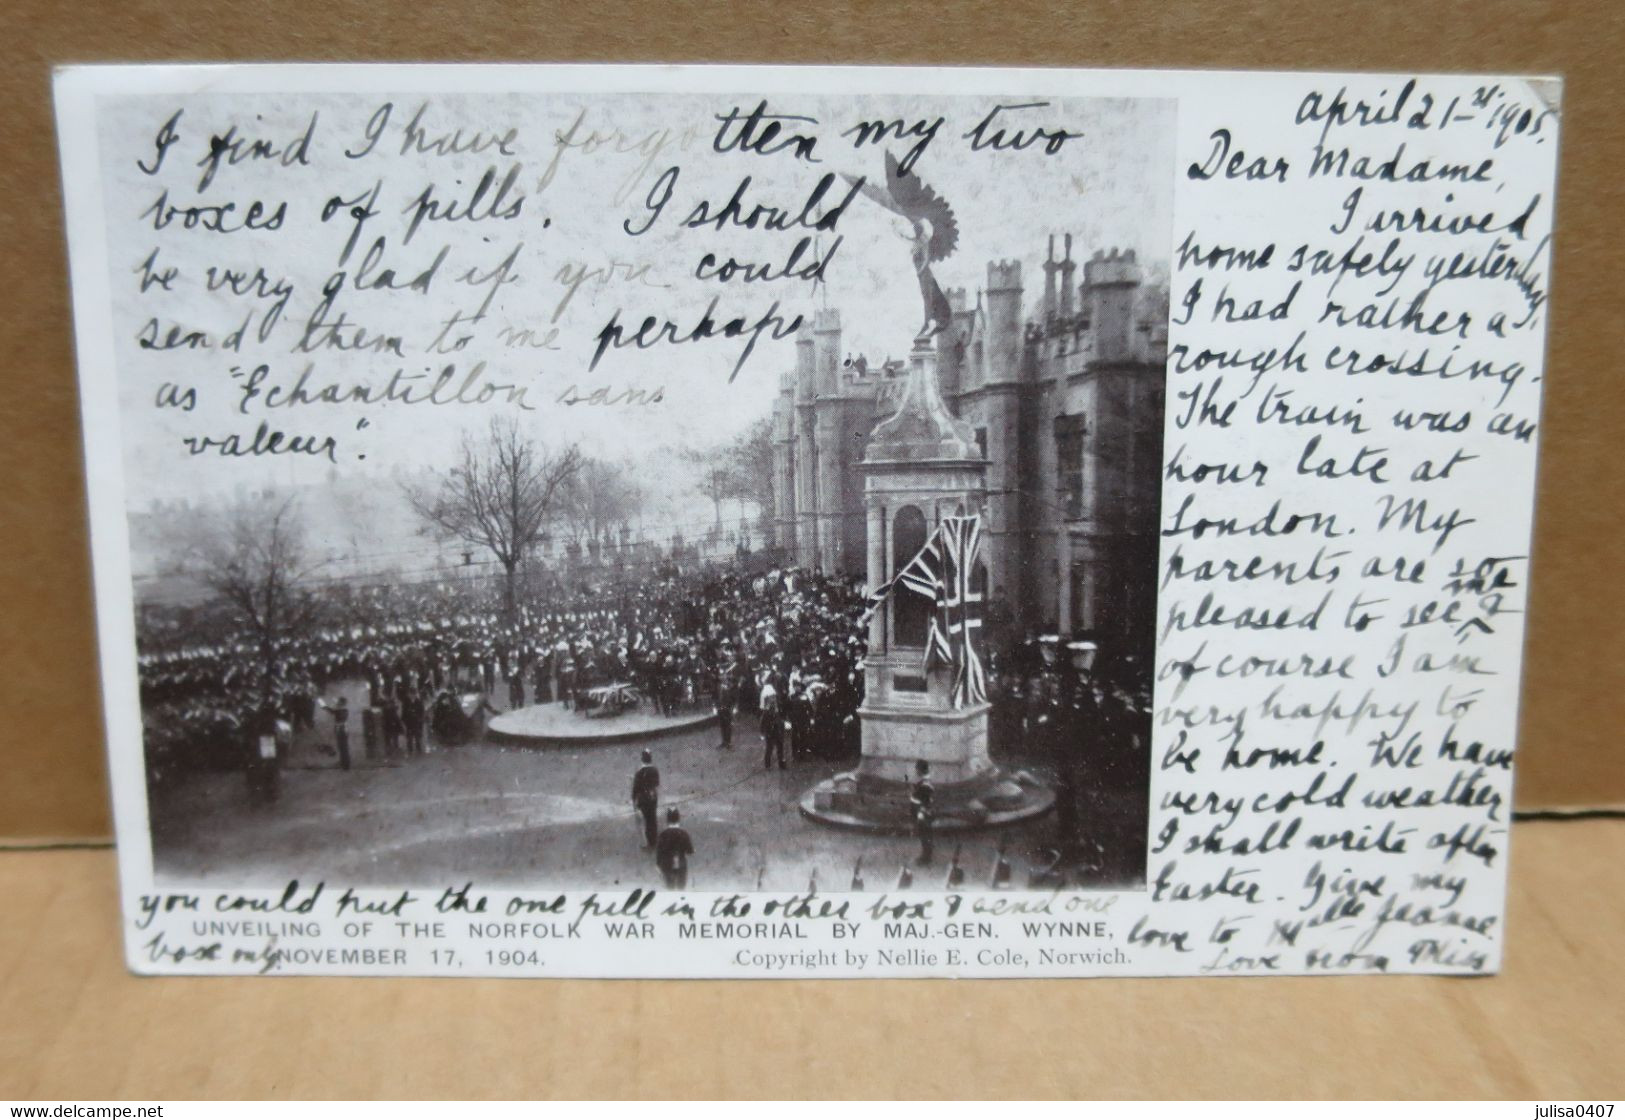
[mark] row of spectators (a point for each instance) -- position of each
(687, 640)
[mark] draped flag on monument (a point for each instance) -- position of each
(943, 571)
(959, 607)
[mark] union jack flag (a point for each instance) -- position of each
(959, 609)
(943, 571)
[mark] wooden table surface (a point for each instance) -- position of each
(76, 1026)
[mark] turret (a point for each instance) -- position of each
(964, 313)
(951, 371)
(805, 363)
(1110, 282)
(1005, 338)
(827, 363)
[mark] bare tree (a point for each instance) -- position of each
(499, 496)
(600, 497)
(253, 556)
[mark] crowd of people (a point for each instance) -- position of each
(1087, 719)
(704, 639)
(779, 650)
(1045, 696)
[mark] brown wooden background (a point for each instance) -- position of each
(1574, 705)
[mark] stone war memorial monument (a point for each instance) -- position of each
(924, 490)
(924, 695)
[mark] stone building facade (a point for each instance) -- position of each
(1065, 400)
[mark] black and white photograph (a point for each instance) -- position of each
(773, 522)
(862, 597)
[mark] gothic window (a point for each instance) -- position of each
(911, 614)
(981, 441)
(1070, 432)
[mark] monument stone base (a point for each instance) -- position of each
(969, 791)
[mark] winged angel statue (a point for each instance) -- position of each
(935, 234)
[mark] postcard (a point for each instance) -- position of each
(710, 521)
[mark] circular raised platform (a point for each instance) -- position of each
(554, 725)
(834, 802)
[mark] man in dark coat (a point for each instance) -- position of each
(798, 714)
(725, 710)
(646, 796)
(920, 800)
(567, 681)
(341, 729)
(673, 851)
(392, 726)
(772, 729)
(543, 673)
(412, 716)
(369, 730)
